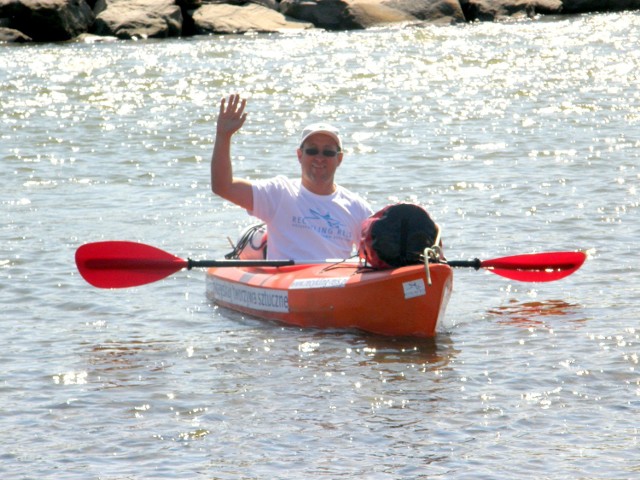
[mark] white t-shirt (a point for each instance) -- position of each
(304, 226)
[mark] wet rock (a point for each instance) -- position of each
(364, 14)
(55, 20)
(493, 10)
(360, 14)
(225, 18)
(327, 14)
(586, 6)
(10, 35)
(138, 18)
(431, 11)
(50, 20)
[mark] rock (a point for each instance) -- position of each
(586, 6)
(359, 14)
(327, 14)
(190, 4)
(48, 20)
(10, 35)
(492, 10)
(138, 18)
(56, 20)
(91, 38)
(272, 4)
(225, 18)
(432, 11)
(8, 8)
(367, 13)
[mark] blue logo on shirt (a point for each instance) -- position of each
(324, 225)
(331, 223)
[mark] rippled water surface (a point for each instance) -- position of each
(517, 137)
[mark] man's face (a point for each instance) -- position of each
(319, 158)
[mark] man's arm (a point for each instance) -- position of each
(230, 120)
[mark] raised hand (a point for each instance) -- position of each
(223, 183)
(232, 115)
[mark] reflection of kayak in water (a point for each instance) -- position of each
(532, 313)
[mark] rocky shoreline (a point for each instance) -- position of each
(62, 20)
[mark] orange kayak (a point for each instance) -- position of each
(397, 302)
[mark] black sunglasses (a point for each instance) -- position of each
(315, 151)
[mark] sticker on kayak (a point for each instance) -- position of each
(319, 283)
(249, 297)
(414, 288)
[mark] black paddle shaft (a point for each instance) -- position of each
(237, 263)
(475, 263)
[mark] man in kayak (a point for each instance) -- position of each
(311, 218)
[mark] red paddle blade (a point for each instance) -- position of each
(121, 264)
(537, 267)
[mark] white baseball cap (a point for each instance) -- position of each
(324, 128)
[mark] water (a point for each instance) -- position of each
(517, 137)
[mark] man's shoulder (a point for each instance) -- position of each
(355, 199)
(281, 182)
(345, 192)
(272, 194)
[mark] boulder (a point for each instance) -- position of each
(225, 18)
(327, 14)
(586, 6)
(272, 4)
(138, 18)
(367, 13)
(9, 8)
(360, 14)
(190, 4)
(493, 10)
(47, 20)
(57, 20)
(432, 11)
(9, 35)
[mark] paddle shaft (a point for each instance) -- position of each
(475, 263)
(237, 263)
